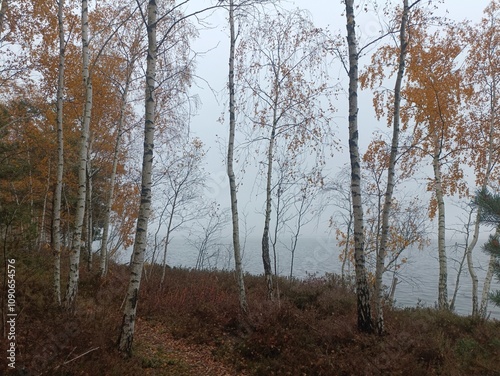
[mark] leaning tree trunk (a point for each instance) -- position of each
(56, 221)
(129, 312)
(230, 161)
(109, 204)
(42, 233)
(476, 310)
(89, 233)
(483, 309)
(365, 323)
(268, 272)
(391, 172)
(167, 239)
(74, 258)
(470, 262)
(472, 271)
(443, 268)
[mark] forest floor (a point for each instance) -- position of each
(192, 325)
(160, 350)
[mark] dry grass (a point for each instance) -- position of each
(193, 327)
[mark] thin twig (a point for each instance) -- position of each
(79, 356)
(69, 361)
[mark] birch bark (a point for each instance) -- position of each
(230, 162)
(470, 263)
(265, 236)
(489, 274)
(380, 266)
(89, 227)
(365, 323)
(129, 312)
(443, 265)
(56, 221)
(74, 260)
(109, 204)
(487, 285)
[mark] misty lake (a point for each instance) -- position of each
(418, 278)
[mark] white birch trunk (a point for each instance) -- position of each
(109, 204)
(470, 262)
(42, 232)
(472, 271)
(457, 280)
(167, 239)
(74, 257)
(230, 161)
(491, 265)
(265, 236)
(56, 221)
(443, 267)
(88, 213)
(472, 245)
(129, 312)
(380, 266)
(365, 323)
(483, 310)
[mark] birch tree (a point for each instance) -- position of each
(56, 224)
(391, 171)
(365, 321)
(208, 242)
(407, 226)
(128, 324)
(282, 67)
(128, 49)
(107, 27)
(73, 278)
(483, 74)
(181, 199)
(433, 96)
(338, 195)
(294, 196)
(302, 212)
(230, 158)
(174, 22)
(489, 205)
(89, 218)
(178, 168)
(374, 74)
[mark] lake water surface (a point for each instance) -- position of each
(319, 255)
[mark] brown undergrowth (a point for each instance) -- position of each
(192, 326)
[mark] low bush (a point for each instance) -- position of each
(309, 329)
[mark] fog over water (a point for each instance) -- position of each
(315, 255)
(418, 278)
